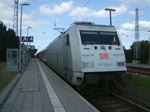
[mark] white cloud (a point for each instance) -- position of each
(141, 2)
(28, 20)
(81, 12)
(22, 1)
(127, 32)
(128, 26)
(6, 14)
(132, 13)
(56, 9)
(143, 26)
(120, 10)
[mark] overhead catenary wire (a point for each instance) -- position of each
(73, 16)
(67, 21)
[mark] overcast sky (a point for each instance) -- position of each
(41, 15)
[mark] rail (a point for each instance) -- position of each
(143, 70)
(112, 102)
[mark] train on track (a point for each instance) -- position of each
(87, 53)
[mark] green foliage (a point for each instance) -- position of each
(8, 39)
(140, 81)
(144, 52)
(129, 55)
(5, 78)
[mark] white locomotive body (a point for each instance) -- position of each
(86, 52)
(43, 55)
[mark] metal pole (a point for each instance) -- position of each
(28, 42)
(15, 22)
(110, 18)
(149, 49)
(20, 40)
(17, 19)
(27, 46)
(21, 36)
(107, 9)
(27, 32)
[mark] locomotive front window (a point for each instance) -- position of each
(109, 38)
(89, 37)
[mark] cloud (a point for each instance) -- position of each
(82, 12)
(127, 32)
(6, 14)
(56, 9)
(28, 20)
(141, 2)
(143, 25)
(128, 26)
(21, 1)
(120, 10)
(131, 13)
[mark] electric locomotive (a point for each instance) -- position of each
(88, 53)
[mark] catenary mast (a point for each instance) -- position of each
(15, 21)
(137, 38)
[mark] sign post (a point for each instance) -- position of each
(27, 39)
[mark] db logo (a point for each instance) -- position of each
(104, 55)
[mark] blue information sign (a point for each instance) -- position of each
(27, 38)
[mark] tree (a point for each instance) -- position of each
(144, 52)
(8, 39)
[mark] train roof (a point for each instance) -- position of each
(90, 24)
(84, 23)
(81, 23)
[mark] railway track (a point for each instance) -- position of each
(107, 102)
(139, 69)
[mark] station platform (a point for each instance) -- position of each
(39, 89)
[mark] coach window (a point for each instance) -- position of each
(90, 37)
(109, 38)
(68, 42)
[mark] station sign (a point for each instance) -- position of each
(27, 38)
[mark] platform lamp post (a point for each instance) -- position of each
(23, 4)
(28, 30)
(107, 9)
(28, 42)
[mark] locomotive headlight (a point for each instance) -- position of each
(88, 64)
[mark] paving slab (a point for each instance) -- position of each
(69, 98)
(39, 89)
(29, 94)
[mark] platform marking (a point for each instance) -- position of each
(51, 93)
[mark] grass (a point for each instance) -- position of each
(2, 65)
(140, 81)
(140, 86)
(5, 76)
